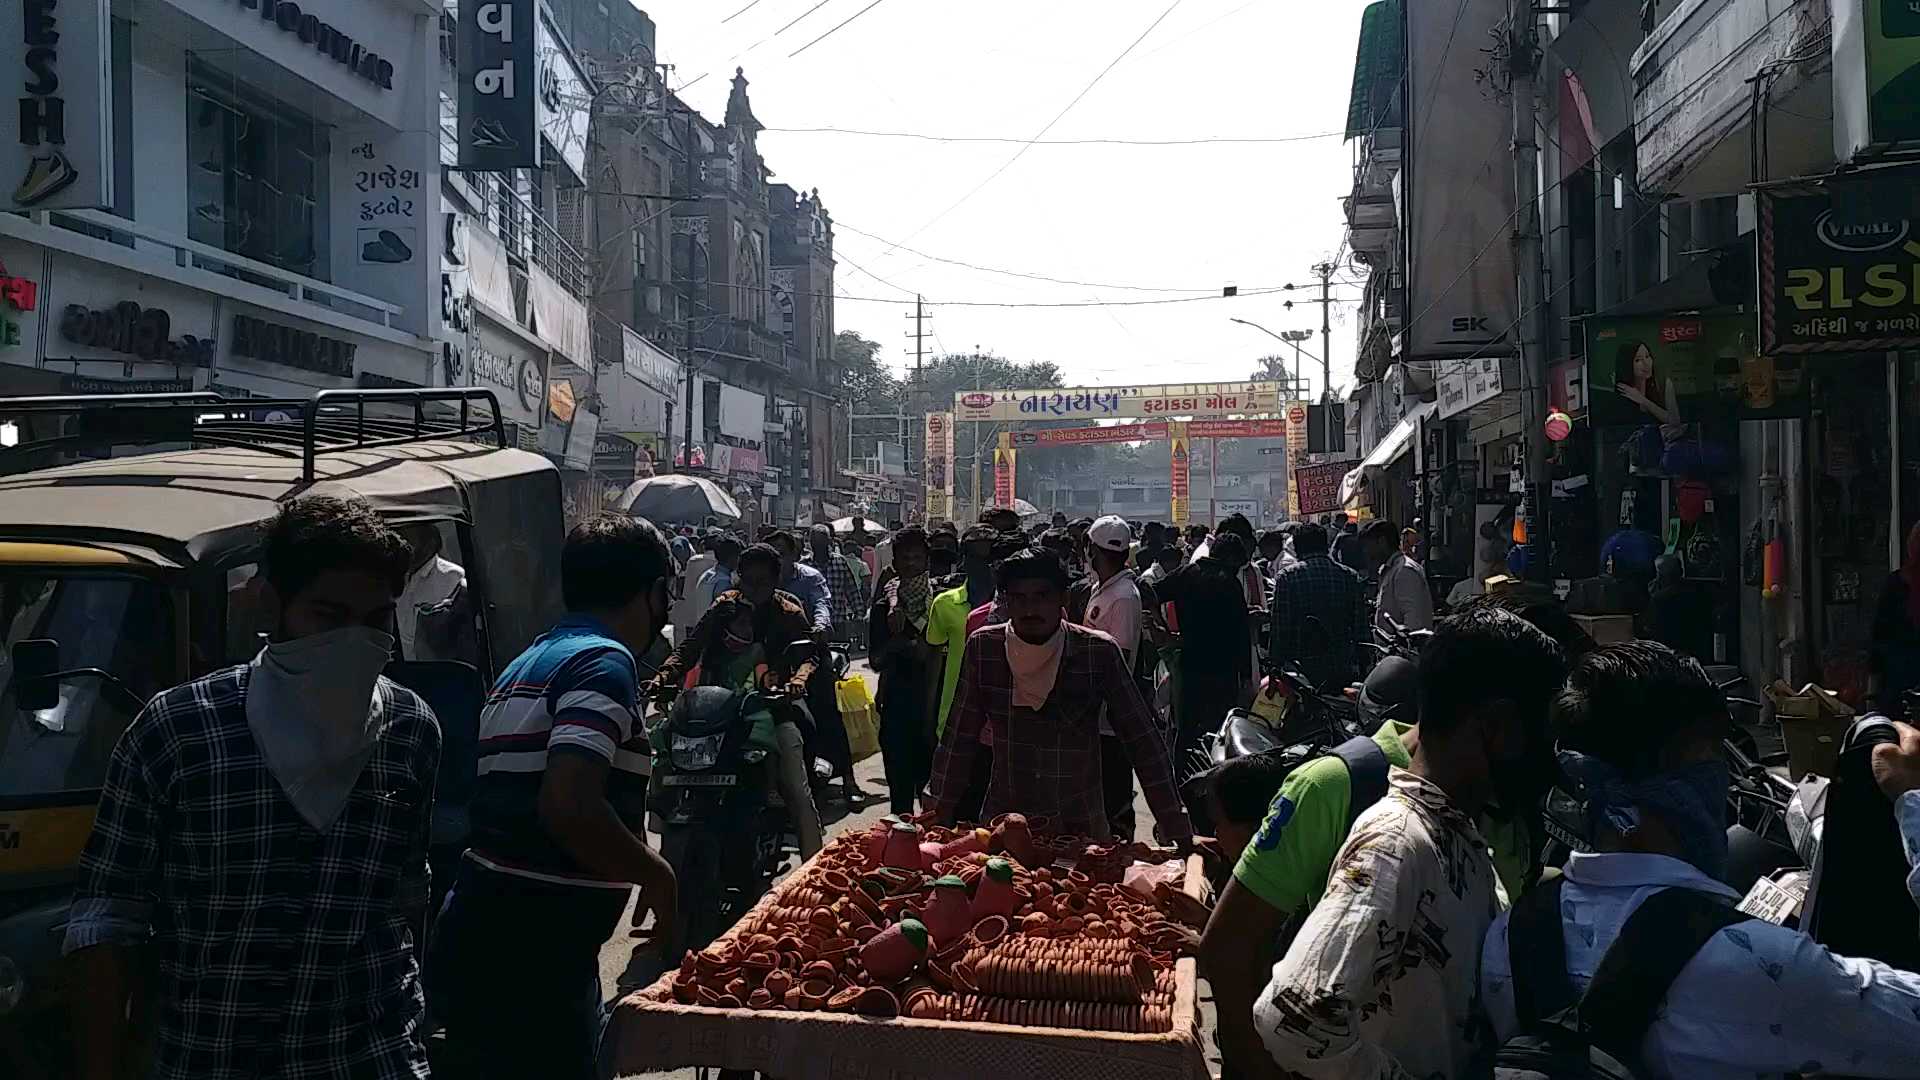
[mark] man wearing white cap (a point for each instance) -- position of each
(1113, 608)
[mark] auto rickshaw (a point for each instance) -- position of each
(129, 544)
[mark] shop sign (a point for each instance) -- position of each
(561, 403)
(127, 328)
(937, 462)
(520, 379)
(371, 380)
(1296, 430)
(1466, 383)
(1317, 487)
(1840, 267)
(273, 343)
(1005, 462)
(648, 364)
(58, 154)
(83, 384)
(326, 39)
(1177, 478)
(498, 79)
(19, 295)
(1675, 369)
(1567, 387)
(1876, 77)
(1100, 403)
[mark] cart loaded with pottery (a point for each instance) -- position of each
(1001, 952)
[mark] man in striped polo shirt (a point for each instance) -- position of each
(558, 821)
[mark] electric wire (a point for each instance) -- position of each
(836, 28)
(1208, 140)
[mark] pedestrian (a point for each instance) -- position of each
(751, 626)
(262, 834)
(1003, 519)
(1166, 559)
(1639, 730)
(1348, 549)
(1273, 555)
(1196, 534)
(1895, 653)
(559, 831)
(1319, 614)
(1113, 607)
(856, 628)
(682, 547)
(902, 659)
(719, 577)
(809, 585)
(436, 589)
(688, 605)
(1060, 542)
(943, 550)
(1047, 680)
(1153, 536)
(1382, 979)
(1405, 599)
(1210, 610)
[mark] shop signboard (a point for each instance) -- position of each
(19, 300)
(1151, 431)
(1177, 476)
(1676, 369)
(561, 98)
(1005, 461)
(647, 363)
(1840, 266)
(938, 459)
(1228, 507)
(1296, 429)
(499, 83)
(1567, 387)
(514, 372)
(1317, 487)
(1118, 402)
(1466, 383)
(1876, 77)
(56, 143)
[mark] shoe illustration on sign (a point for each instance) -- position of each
(47, 175)
(386, 247)
(491, 135)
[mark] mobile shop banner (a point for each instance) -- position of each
(1840, 267)
(1003, 465)
(1679, 369)
(1318, 487)
(1151, 431)
(499, 78)
(1177, 433)
(1121, 402)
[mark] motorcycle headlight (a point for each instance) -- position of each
(13, 986)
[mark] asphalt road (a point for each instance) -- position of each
(615, 958)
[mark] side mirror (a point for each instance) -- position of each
(35, 662)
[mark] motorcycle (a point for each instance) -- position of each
(713, 799)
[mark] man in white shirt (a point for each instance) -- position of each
(1639, 727)
(687, 607)
(1113, 608)
(431, 582)
(1405, 599)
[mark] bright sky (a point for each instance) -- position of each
(1188, 218)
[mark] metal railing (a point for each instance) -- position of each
(551, 251)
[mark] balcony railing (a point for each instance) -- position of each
(518, 219)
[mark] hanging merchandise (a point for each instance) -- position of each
(1774, 577)
(1753, 558)
(1559, 425)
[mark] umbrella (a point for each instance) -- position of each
(844, 527)
(1025, 509)
(677, 498)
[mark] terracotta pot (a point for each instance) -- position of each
(778, 983)
(762, 962)
(995, 895)
(737, 986)
(685, 992)
(834, 948)
(903, 847)
(707, 996)
(875, 845)
(824, 919)
(1034, 921)
(990, 929)
(760, 999)
(876, 1001)
(894, 952)
(836, 882)
(843, 999)
(815, 992)
(965, 843)
(819, 969)
(728, 1001)
(948, 914)
(864, 934)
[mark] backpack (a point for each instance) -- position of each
(1597, 1035)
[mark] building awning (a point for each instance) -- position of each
(1377, 68)
(1387, 451)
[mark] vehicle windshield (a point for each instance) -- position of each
(120, 624)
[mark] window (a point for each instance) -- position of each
(1127, 495)
(257, 175)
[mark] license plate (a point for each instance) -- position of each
(700, 780)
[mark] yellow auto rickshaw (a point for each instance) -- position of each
(129, 542)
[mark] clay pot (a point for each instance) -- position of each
(836, 882)
(948, 914)
(708, 997)
(844, 998)
(966, 843)
(684, 992)
(876, 1001)
(728, 1001)
(864, 934)
(895, 951)
(760, 999)
(778, 983)
(902, 850)
(737, 987)
(875, 845)
(990, 929)
(818, 969)
(824, 919)
(995, 893)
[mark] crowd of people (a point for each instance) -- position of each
(265, 828)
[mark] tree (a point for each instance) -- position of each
(1272, 368)
(870, 389)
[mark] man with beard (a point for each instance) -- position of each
(559, 836)
(263, 829)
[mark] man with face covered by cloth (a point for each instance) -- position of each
(263, 829)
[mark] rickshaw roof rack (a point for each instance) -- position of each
(329, 422)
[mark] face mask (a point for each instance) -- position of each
(311, 708)
(1691, 802)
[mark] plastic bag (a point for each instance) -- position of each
(858, 716)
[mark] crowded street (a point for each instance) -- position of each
(868, 540)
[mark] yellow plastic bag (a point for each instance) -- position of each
(858, 716)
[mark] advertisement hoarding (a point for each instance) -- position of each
(1316, 488)
(1151, 431)
(938, 459)
(1458, 186)
(56, 146)
(1296, 430)
(1004, 462)
(1876, 77)
(1840, 266)
(499, 84)
(1675, 369)
(1466, 383)
(1118, 402)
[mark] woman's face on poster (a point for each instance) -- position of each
(1642, 364)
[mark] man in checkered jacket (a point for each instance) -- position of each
(263, 831)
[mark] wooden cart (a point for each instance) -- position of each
(650, 1031)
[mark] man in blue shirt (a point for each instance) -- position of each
(559, 820)
(807, 584)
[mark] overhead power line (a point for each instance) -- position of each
(1057, 117)
(1205, 140)
(836, 28)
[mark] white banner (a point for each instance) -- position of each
(743, 414)
(56, 142)
(649, 364)
(1119, 402)
(1466, 383)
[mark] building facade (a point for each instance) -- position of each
(1727, 319)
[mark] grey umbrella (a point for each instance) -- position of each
(677, 498)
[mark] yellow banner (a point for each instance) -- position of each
(1177, 436)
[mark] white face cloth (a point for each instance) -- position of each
(312, 711)
(1034, 666)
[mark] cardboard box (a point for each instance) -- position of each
(1812, 723)
(1606, 629)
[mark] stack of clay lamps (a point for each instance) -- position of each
(1036, 932)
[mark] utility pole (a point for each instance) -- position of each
(1325, 270)
(1523, 59)
(916, 394)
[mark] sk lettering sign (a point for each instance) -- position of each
(1121, 402)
